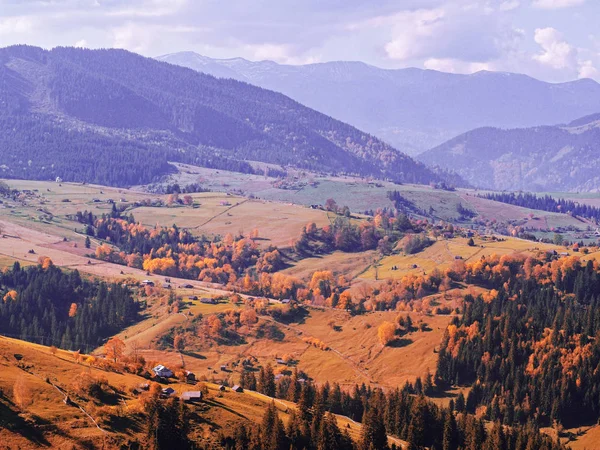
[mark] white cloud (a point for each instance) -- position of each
(415, 33)
(283, 54)
(556, 4)
(588, 70)
(15, 25)
(556, 52)
(509, 5)
(455, 65)
(458, 33)
(82, 43)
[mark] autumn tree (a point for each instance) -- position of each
(179, 342)
(386, 333)
(73, 310)
(114, 349)
(10, 295)
(248, 317)
(331, 205)
(188, 200)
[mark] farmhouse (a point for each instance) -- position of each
(281, 361)
(162, 371)
(237, 388)
(191, 396)
(208, 301)
(167, 392)
(190, 377)
(148, 283)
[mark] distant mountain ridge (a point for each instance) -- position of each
(549, 158)
(412, 109)
(115, 117)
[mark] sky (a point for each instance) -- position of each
(553, 40)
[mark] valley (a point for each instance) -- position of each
(193, 258)
(311, 335)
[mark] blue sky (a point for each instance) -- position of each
(554, 40)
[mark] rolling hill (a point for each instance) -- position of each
(412, 109)
(114, 117)
(549, 158)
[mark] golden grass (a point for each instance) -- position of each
(442, 254)
(348, 264)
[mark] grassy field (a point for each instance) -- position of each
(443, 253)
(46, 421)
(278, 224)
(362, 195)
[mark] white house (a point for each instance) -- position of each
(162, 371)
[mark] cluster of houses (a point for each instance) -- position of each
(162, 372)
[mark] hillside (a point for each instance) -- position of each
(549, 158)
(412, 109)
(114, 117)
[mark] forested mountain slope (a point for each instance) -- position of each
(412, 109)
(549, 158)
(114, 117)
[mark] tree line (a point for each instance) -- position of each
(47, 305)
(404, 413)
(545, 203)
(531, 348)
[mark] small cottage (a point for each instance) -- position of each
(237, 388)
(167, 392)
(162, 371)
(191, 396)
(190, 377)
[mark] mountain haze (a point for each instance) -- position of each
(548, 158)
(412, 109)
(115, 117)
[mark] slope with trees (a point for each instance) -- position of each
(547, 158)
(132, 114)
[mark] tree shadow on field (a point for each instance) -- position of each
(10, 420)
(192, 354)
(399, 343)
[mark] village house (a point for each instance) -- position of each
(190, 377)
(162, 371)
(167, 392)
(191, 396)
(237, 388)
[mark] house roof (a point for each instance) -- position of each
(191, 394)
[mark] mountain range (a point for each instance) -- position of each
(548, 158)
(412, 109)
(115, 117)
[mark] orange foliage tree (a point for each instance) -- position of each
(386, 333)
(114, 349)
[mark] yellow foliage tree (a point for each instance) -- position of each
(386, 333)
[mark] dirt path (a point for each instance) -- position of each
(219, 215)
